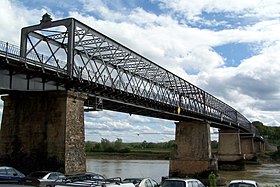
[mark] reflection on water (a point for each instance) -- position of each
(263, 174)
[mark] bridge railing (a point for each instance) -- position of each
(10, 50)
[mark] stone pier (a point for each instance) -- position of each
(230, 156)
(259, 146)
(192, 155)
(43, 131)
(247, 147)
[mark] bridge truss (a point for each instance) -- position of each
(70, 55)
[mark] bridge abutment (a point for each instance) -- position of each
(43, 131)
(192, 156)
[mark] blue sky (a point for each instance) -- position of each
(228, 48)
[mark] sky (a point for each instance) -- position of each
(228, 48)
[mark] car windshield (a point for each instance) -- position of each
(173, 183)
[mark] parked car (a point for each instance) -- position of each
(91, 179)
(142, 182)
(182, 183)
(10, 174)
(243, 183)
(46, 178)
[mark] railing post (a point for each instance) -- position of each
(7, 47)
(204, 103)
(236, 117)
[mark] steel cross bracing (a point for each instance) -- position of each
(107, 70)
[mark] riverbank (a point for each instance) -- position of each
(164, 155)
(130, 156)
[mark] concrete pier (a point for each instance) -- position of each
(247, 147)
(259, 146)
(230, 156)
(43, 131)
(192, 155)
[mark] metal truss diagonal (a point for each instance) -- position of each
(110, 70)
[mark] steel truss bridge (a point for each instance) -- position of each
(69, 55)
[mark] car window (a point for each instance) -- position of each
(60, 176)
(3, 171)
(53, 176)
(200, 184)
(148, 183)
(154, 183)
(11, 171)
(195, 184)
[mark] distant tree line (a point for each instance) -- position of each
(271, 135)
(120, 147)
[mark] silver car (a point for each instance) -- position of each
(47, 178)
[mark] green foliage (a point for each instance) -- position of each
(118, 146)
(214, 145)
(107, 146)
(271, 134)
(89, 146)
(212, 179)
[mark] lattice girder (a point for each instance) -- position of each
(86, 54)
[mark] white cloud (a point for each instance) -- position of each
(15, 16)
(137, 118)
(254, 8)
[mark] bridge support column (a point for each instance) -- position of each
(229, 152)
(43, 131)
(192, 155)
(247, 148)
(259, 146)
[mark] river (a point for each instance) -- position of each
(265, 174)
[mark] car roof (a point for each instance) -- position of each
(6, 167)
(181, 179)
(134, 178)
(243, 181)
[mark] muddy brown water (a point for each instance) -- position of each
(265, 174)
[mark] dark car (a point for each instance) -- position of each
(86, 176)
(10, 174)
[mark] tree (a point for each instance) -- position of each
(118, 145)
(106, 145)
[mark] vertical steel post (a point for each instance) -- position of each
(23, 43)
(70, 48)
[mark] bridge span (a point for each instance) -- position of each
(65, 67)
